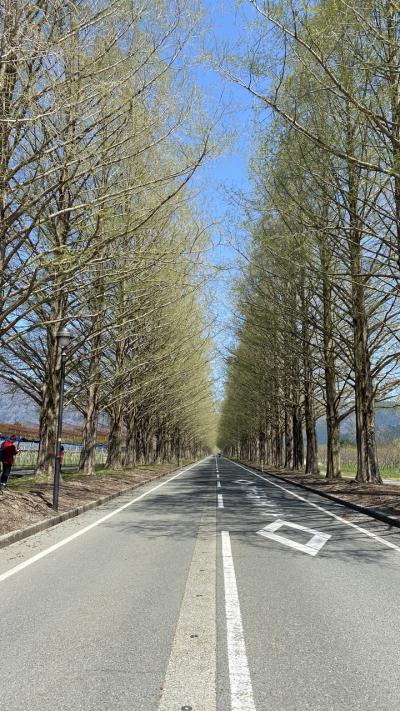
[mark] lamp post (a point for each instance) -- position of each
(63, 339)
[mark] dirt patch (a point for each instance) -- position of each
(383, 497)
(23, 504)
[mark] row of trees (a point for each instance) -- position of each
(100, 134)
(318, 303)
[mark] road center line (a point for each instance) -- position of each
(190, 681)
(79, 533)
(220, 501)
(239, 675)
(328, 513)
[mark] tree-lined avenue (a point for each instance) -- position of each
(162, 600)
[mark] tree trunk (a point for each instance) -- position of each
(298, 446)
(131, 442)
(261, 439)
(268, 443)
(369, 415)
(332, 400)
(333, 447)
(47, 430)
(367, 459)
(87, 460)
(48, 413)
(311, 434)
(311, 445)
(115, 440)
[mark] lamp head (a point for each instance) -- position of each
(63, 338)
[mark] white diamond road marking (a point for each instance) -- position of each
(312, 547)
(243, 481)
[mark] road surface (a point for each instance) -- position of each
(216, 588)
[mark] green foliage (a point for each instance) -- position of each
(100, 232)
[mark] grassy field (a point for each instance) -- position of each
(21, 483)
(27, 459)
(388, 455)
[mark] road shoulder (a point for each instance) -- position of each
(17, 507)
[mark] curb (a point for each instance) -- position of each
(373, 513)
(13, 536)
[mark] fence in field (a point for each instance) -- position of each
(388, 456)
(28, 454)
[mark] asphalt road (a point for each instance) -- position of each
(209, 590)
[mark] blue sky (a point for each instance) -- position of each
(231, 170)
(227, 175)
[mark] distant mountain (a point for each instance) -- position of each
(17, 407)
(387, 426)
(388, 423)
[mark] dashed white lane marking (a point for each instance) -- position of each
(239, 675)
(388, 544)
(312, 547)
(217, 475)
(220, 501)
(64, 541)
(218, 484)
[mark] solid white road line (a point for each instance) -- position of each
(64, 541)
(239, 675)
(220, 501)
(328, 513)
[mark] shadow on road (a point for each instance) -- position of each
(176, 511)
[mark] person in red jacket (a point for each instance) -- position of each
(9, 452)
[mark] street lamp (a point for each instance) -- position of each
(63, 339)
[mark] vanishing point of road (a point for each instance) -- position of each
(217, 588)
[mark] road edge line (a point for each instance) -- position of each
(367, 511)
(362, 530)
